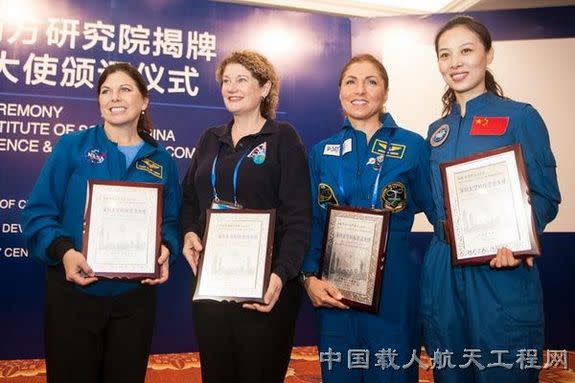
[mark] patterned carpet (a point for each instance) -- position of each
(179, 368)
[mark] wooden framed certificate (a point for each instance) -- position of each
(353, 254)
(122, 229)
(487, 205)
(236, 261)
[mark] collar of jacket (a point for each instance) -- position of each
(475, 103)
(150, 144)
(224, 132)
(386, 122)
(144, 136)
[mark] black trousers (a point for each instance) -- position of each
(240, 345)
(93, 339)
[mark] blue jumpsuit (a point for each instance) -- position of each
(404, 188)
(497, 312)
(55, 208)
(103, 331)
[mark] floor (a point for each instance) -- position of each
(179, 368)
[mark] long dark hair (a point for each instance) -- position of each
(144, 121)
(483, 33)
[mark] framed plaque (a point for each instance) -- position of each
(122, 229)
(487, 204)
(235, 264)
(353, 254)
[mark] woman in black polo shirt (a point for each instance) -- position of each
(258, 163)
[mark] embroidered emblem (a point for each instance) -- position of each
(489, 126)
(396, 150)
(325, 196)
(331, 150)
(95, 156)
(147, 165)
(394, 197)
(346, 146)
(258, 154)
(439, 136)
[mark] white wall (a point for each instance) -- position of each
(535, 71)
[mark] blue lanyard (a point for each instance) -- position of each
(235, 178)
(378, 176)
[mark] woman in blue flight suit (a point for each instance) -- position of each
(99, 330)
(369, 144)
(495, 309)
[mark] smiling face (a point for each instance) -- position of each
(362, 92)
(120, 100)
(241, 91)
(463, 61)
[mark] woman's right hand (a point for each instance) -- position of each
(77, 269)
(192, 248)
(323, 293)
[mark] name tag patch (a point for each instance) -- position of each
(331, 150)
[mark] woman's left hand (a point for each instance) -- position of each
(505, 259)
(271, 297)
(164, 263)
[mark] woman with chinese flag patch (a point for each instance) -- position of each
(483, 317)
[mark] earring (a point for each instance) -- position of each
(143, 111)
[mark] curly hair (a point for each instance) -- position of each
(262, 70)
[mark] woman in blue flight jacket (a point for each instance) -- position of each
(359, 152)
(494, 311)
(99, 330)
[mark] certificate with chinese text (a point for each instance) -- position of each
(487, 204)
(236, 262)
(122, 229)
(354, 252)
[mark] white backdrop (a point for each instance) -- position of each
(535, 71)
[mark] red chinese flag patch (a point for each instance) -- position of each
(489, 126)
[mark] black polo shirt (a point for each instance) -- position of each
(280, 182)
